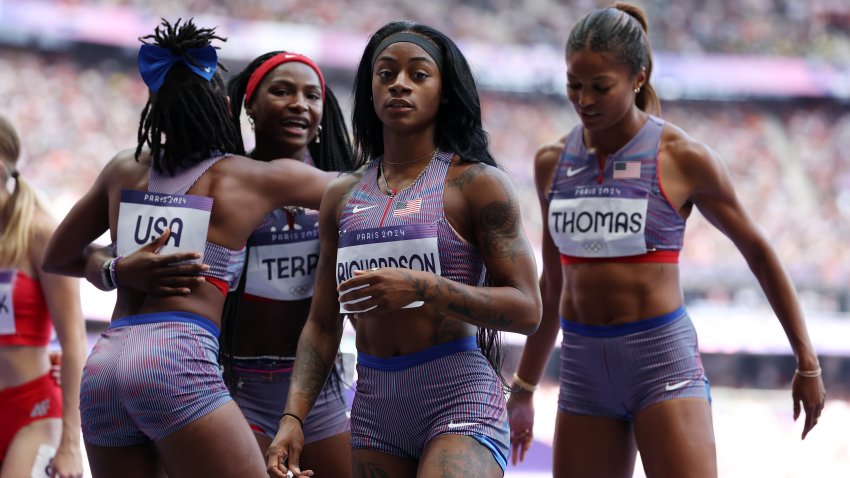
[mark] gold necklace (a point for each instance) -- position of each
(393, 191)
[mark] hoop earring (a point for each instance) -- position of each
(318, 132)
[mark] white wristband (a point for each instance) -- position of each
(809, 373)
(106, 276)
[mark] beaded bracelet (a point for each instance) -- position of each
(105, 276)
(112, 266)
(809, 373)
(522, 384)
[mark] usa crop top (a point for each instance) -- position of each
(225, 264)
(614, 209)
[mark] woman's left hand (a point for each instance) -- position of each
(68, 462)
(811, 393)
(380, 291)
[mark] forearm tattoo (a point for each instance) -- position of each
(311, 371)
(421, 287)
(477, 308)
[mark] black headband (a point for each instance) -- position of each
(409, 37)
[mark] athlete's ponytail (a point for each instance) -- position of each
(20, 209)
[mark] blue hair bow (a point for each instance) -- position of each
(155, 62)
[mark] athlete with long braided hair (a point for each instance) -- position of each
(152, 395)
(294, 114)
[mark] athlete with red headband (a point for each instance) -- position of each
(615, 193)
(152, 396)
(293, 115)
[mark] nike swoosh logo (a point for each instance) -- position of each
(670, 387)
(461, 425)
(573, 172)
(361, 209)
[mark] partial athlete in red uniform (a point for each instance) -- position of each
(39, 421)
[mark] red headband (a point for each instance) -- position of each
(274, 62)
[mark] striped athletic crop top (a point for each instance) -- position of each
(409, 230)
(282, 256)
(24, 317)
(614, 209)
(225, 264)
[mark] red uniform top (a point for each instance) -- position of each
(24, 317)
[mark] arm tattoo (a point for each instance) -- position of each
(466, 177)
(500, 224)
(501, 235)
(423, 290)
(489, 318)
(311, 371)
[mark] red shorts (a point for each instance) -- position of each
(26, 403)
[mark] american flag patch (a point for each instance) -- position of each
(407, 207)
(626, 169)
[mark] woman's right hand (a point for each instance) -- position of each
(521, 419)
(152, 273)
(282, 458)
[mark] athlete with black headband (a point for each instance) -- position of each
(152, 395)
(424, 247)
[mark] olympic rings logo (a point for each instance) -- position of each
(299, 290)
(592, 246)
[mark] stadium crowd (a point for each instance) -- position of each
(785, 157)
(814, 29)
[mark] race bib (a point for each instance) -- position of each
(411, 246)
(599, 226)
(143, 216)
(7, 308)
(43, 464)
(282, 265)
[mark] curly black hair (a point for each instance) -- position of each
(188, 112)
